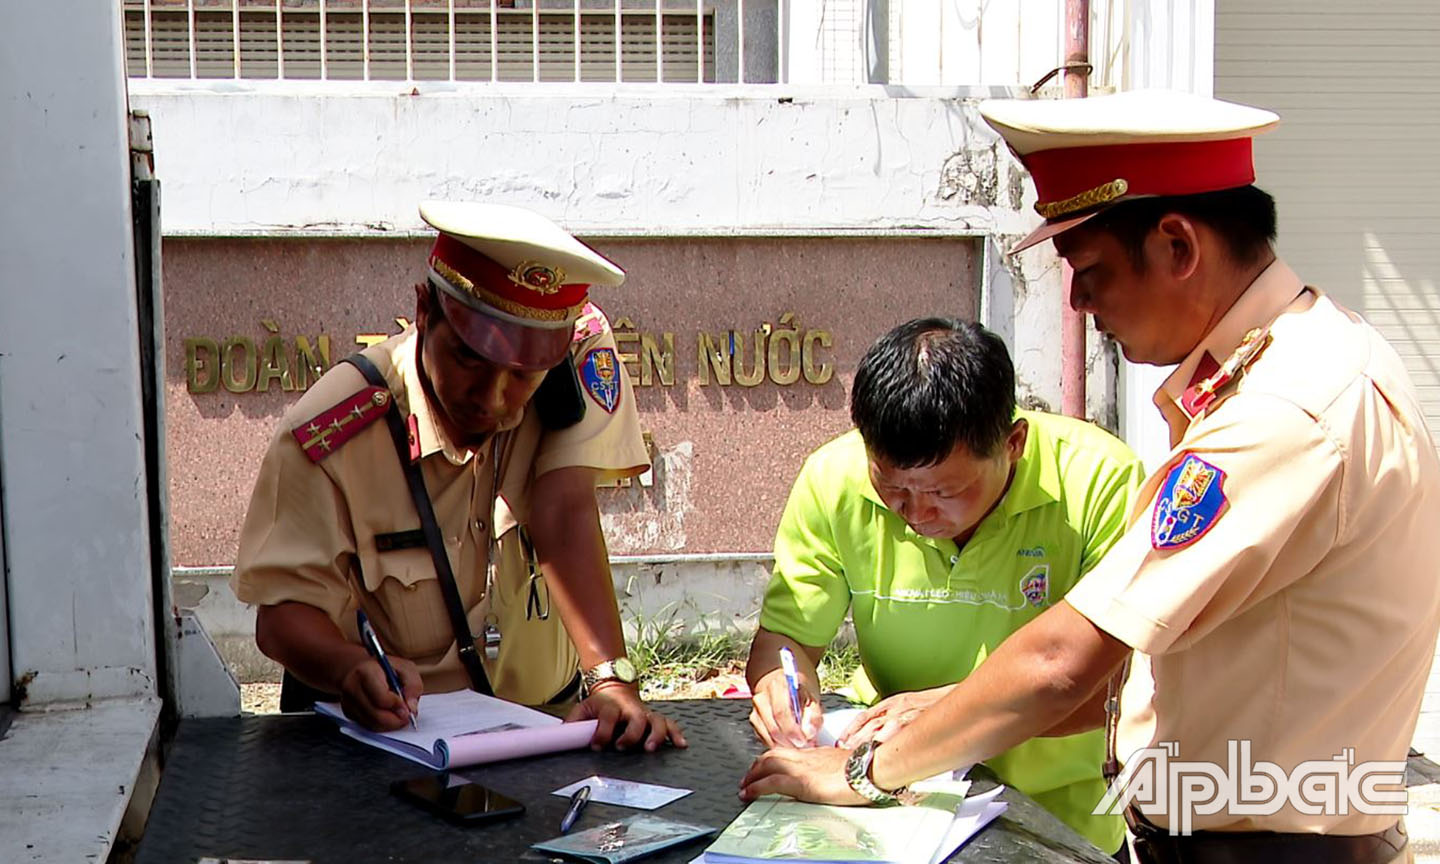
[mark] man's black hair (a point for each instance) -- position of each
(434, 309)
(930, 384)
(1244, 218)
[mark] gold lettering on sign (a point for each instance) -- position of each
(713, 358)
(308, 365)
(274, 362)
(757, 369)
(784, 353)
(625, 340)
(365, 340)
(813, 341)
(240, 367)
(202, 365)
(657, 359)
(238, 375)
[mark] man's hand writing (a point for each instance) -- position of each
(773, 719)
(367, 699)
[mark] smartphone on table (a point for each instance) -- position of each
(456, 798)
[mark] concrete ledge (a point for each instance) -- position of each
(68, 778)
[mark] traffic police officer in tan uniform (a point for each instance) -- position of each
(510, 468)
(1277, 585)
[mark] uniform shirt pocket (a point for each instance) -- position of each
(403, 584)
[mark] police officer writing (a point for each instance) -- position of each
(443, 482)
(1275, 592)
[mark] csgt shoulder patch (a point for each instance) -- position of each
(1191, 500)
(600, 373)
(322, 434)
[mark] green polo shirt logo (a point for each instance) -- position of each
(1036, 585)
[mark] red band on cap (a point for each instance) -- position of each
(531, 290)
(1162, 168)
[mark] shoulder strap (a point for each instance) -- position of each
(464, 640)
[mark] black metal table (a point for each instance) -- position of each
(291, 787)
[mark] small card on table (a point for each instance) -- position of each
(625, 793)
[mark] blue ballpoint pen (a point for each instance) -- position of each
(372, 644)
(792, 680)
(577, 803)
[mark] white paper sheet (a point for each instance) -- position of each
(626, 793)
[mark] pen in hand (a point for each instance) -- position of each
(577, 803)
(372, 645)
(792, 680)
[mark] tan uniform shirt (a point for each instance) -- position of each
(1304, 619)
(309, 535)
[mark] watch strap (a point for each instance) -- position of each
(857, 775)
(607, 670)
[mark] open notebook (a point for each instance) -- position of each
(774, 829)
(466, 728)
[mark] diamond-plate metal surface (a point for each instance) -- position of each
(291, 787)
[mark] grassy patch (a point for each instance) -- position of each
(674, 664)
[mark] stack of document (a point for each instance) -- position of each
(465, 728)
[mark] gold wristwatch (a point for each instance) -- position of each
(620, 669)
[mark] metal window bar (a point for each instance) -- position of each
(739, 41)
(149, 39)
(235, 35)
(294, 20)
(409, 46)
(324, 49)
(782, 9)
(190, 25)
(279, 42)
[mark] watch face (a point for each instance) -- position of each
(624, 669)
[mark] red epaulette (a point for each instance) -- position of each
(322, 434)
(590, 323)
(1201, 394)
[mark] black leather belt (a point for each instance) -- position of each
(1155, 845)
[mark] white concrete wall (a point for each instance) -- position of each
(259, 157)
(70, 420)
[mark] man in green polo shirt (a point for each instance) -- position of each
(944, 522)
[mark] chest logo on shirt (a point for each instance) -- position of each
(600, 373)
(1036, 585)
(1190, 502)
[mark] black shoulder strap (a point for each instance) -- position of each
(464, 640)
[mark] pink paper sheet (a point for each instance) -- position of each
(484, 747)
